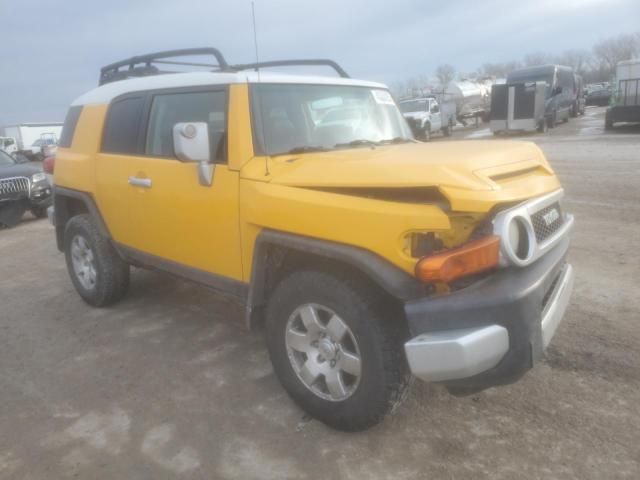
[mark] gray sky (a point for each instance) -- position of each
(52, 50)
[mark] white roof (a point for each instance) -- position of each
(106, 93)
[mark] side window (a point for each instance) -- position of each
(69, 127)
(122, 126)
(169, 109)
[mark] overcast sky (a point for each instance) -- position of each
(51, 51)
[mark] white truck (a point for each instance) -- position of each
(30, 138)
(426, 116)
(9, 145)
(626, 100)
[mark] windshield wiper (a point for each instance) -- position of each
(307, 149)
(357, 143)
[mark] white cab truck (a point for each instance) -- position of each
(31, 137)
(9, 145)
(426, 116)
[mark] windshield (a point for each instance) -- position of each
(414, 106)
(6, 159)
(297, 118)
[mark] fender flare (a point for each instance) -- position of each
(62, 213)
(395, 281)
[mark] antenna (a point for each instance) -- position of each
(255, 44)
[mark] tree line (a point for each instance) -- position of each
(595, 65)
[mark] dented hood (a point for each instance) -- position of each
(473, 175)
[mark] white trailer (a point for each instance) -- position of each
(626, 102)
(31, 137)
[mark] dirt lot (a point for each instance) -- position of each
(168, 384)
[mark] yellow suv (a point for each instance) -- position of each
(365, 255)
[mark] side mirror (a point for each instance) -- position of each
(557, 91)
(191, 144)
(435, 109)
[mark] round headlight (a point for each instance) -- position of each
(518, 238)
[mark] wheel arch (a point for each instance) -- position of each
(277, 253)
(69, 203)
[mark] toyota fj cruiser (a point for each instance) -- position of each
(366, 256)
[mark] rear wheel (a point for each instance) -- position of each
(100, 276)
(336, 349)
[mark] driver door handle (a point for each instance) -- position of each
(140, 182)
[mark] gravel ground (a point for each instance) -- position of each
(168, 384)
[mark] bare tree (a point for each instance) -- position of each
(445, 74)
(579, 60)
(613, 50)
(499, 70)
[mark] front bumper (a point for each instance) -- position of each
(492, 332)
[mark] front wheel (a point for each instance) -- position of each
(336, 349)
(100, 276)
(426, 134)
(39, 212)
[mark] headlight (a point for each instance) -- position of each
(38, 177)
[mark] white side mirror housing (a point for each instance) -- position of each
(191, 142)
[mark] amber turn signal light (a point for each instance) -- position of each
(473, 257)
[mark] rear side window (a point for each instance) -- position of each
(122, 126)
(169, 109)
(69, 127)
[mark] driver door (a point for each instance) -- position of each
(173, 221)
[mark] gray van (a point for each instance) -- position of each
(560, 96)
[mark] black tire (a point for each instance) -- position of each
(426, 134)
(446, 131)
(552, 120)
(379, 335)
(39, 212)
(111, 272)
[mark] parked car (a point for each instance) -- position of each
(48, 164)
(599, 97)
(579, 96)
(42, 147)
(364, 260)
(560, 98)
(626, 104)
(426, 116)
(22, 187)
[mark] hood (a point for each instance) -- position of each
(473, 175)
(18, 170)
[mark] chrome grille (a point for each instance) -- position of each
(547, 221)
(14, 187)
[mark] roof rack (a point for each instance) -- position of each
(145, 65)
(112, 72)
(289, 63)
